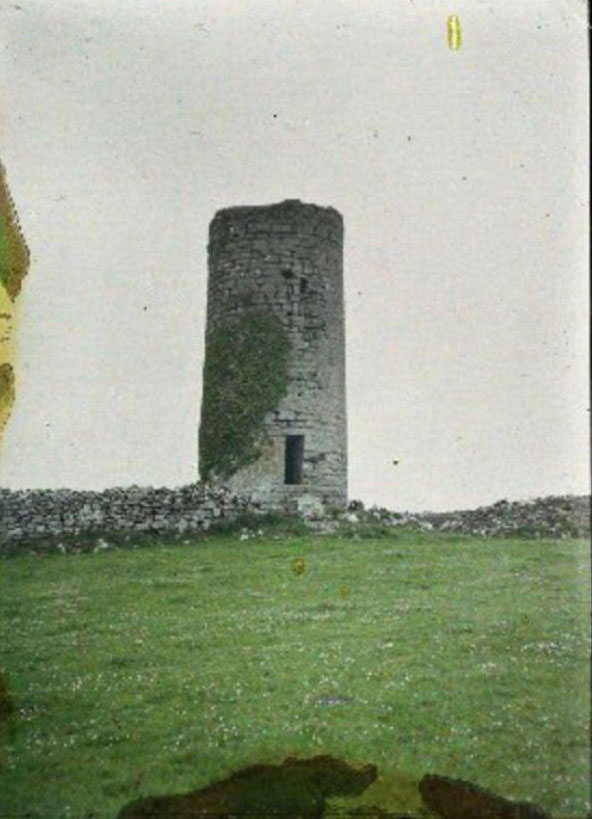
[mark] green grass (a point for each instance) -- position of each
(157, 670)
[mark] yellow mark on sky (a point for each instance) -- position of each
(454, 33)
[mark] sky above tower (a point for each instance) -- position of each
(461, 176)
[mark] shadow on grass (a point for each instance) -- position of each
(297, 787)
(300, 788)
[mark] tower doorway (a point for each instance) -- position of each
(294, 456)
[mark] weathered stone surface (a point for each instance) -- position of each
(286, 260)
(456, 799)
(296, 788)
(310, 507)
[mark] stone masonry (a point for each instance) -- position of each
(287, 259)
(29, 515)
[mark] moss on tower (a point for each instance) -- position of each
(245, 375)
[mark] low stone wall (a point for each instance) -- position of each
(41, 514)
(36, 515)
(549, 517)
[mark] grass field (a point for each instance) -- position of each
(160, 669)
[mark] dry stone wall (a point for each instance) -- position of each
(30, 516)
(37, 514)
(554, 516)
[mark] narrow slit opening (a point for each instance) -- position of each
(294, 456)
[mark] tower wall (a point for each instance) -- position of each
(286, 261)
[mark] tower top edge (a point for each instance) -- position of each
(287, 207)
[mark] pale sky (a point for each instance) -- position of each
(462, 178)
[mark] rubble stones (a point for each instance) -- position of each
(310, 508)
(550, 517)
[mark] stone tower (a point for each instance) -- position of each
(273, 418)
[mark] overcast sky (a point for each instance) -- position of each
(461, 177)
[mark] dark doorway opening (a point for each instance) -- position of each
(293, 459)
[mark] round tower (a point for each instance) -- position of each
(273, 418)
